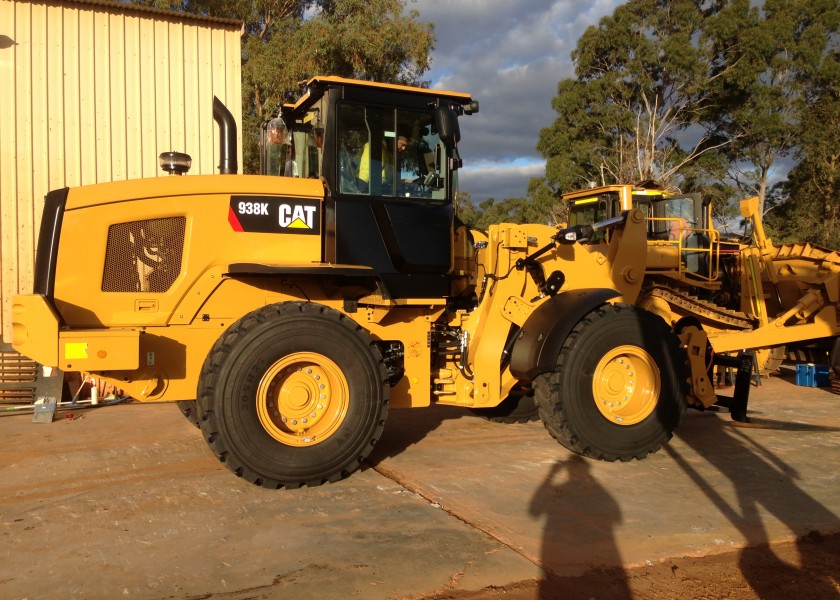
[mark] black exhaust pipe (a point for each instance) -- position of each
(227, 137)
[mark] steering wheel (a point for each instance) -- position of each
(416, 187)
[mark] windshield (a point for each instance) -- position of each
(589, 210)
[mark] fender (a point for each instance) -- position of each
(543, 334)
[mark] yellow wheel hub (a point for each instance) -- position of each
(626, 385)
(302, 399)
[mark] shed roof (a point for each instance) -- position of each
(136, 8)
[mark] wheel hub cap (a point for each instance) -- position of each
(302, 399)
(626, 385)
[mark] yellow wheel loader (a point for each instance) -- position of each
(288, 312)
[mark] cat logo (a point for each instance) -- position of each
(297, 216)
(273, 214)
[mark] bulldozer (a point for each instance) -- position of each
(727, 283)
(288, 312)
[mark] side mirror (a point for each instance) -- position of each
(447, 125)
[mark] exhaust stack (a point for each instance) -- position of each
(227, 137)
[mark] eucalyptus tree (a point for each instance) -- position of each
(776, 61)
(635, 109)
(717, 96)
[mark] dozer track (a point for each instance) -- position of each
(719, 316)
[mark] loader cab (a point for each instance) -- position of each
(598, 203)
(672, 216)
(388, 158)
(680, 237)
(663, 210)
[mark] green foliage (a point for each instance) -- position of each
(539, 206)
(806, 207)
(361, 39)
(769, 59)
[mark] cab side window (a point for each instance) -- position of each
(390, 153)
(294, 152)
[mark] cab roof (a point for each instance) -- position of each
(635, 189)
(320, 83)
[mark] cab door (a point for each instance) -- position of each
(390, 206)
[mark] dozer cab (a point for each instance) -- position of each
(288, 312)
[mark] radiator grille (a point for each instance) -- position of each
(144, 256)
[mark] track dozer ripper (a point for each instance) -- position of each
(287, 312)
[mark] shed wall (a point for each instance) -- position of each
(94, 93)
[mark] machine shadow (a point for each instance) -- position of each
(762, 482)
(406, 427)
(580, 519)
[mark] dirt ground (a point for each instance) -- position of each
(125, 501)
(808, 568)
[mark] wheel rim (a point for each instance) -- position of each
(626, 385)
(302, 399)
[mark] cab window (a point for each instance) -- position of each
(390, 152)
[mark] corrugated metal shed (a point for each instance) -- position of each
(92, 91)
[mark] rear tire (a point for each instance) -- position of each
(293, 394)
(617, 391)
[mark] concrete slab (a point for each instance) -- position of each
(717, 486)
(128, 502)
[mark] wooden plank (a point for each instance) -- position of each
(71, 92)
(178, 108)
(191, 103)
(8, 173)
(148, 146)
(162, 65)
(133, 117)
(87, 92)
(40, 103)
(207, 129)
(55, 112)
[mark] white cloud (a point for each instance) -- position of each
(510, 55)
(499, 179)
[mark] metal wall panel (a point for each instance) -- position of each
(92, 92)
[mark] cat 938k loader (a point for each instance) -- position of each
(287, 312)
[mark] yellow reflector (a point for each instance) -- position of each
(75, 350)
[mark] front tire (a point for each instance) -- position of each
(293, 394)
(617, 391)
(189, 409)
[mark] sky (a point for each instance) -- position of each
(510, 55)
